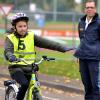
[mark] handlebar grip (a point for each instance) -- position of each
(48, 59)
(51, 58)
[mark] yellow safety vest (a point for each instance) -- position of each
(23, 47)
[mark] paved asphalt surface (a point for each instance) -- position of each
(71, 90)
(47, 93)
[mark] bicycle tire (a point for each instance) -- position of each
(10, 93)
(36, 96)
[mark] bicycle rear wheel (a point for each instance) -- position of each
(10, 93)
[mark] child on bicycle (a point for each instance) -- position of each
(21, 44)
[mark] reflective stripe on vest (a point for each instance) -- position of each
(23, 47)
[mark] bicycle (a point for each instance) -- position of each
(33, 92)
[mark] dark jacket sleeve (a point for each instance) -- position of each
(48, 44)
(8, 49)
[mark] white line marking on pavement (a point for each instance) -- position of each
(49, 98)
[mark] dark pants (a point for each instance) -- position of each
(90, 74)
(23, 80)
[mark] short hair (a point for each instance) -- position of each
(89, 1)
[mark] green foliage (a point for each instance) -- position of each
(64, 65)
(47, 5)
(6, 1)
(61, 68)
(62, 5)
(65, 5)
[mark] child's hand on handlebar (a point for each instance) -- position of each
(14, 59)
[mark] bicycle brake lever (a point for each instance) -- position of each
(44, 57)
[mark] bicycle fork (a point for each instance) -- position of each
(34, 86)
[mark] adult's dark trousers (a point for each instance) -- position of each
(23, 79)
(90, 74)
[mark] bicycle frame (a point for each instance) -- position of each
(33, 84)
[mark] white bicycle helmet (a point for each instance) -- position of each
(18, 17)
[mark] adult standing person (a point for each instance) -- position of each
(88, 51)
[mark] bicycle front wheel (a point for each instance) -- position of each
(36, 96)
(10, 94)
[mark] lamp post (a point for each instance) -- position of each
(55, 10)
(98, 6)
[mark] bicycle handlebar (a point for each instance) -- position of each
(44, 58)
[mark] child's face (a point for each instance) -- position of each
(21, 27)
